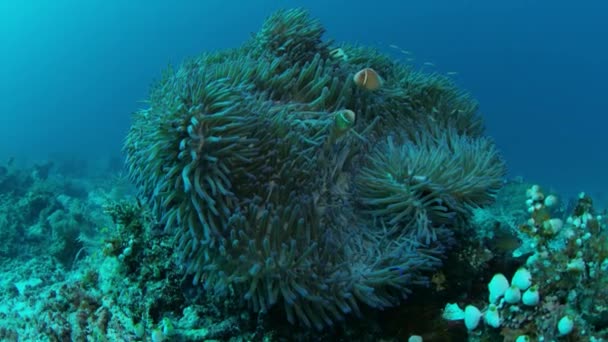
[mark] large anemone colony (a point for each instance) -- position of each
(308, 175)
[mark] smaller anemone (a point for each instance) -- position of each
(429, 180)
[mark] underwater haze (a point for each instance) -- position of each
(303, 171)
(73, 72)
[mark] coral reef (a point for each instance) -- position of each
(285, 183)
(309, 181)
(558, 290)
(125, 286)
(43, 213)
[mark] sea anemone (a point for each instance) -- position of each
(239, 156)
(425, 183)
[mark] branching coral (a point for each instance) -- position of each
(258, 159)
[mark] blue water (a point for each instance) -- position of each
(72, 72)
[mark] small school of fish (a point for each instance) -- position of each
(410, 58)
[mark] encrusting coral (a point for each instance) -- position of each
(287, 183)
